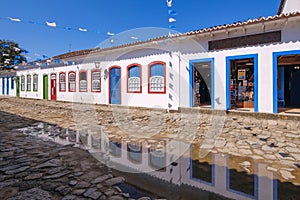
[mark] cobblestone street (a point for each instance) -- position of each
(31, 168)
(30, 165)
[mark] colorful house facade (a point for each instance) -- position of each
(252, 65)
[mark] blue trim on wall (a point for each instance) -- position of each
(191, 84)
(275, 65)
(191, 71)
(247, 56)
(3, 85)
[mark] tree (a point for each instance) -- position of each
(10, 54)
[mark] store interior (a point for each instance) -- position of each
(202, 84)
(242, 84)
(288, 80)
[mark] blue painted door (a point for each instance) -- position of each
(7, 85)
(115, 86)
(3, 86)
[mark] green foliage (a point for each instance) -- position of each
(10, 52)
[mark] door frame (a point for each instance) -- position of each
(191, 72)
(46, 87)
(51, 96)
(18, 86)
(275, 66)
(112, 67)
(228, 71)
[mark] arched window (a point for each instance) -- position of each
(134, 80)
(72, 82)
(22, 83)
(157, 78)
(83, 81)
(28, 83)
(35, 82)
(62, 81)
(96, 80)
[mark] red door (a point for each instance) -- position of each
(53, 86)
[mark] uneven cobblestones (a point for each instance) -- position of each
(31, 168)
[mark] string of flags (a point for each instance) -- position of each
(172, 14)
(53, 24)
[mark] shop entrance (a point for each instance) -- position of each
(288, 80)
(202, 90)
(242, 92)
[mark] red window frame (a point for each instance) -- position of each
(128, 67)
(92, 71)
(149, 70)
(71, 72)
(65, 81)
(86, 77)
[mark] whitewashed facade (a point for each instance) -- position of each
(177, 58)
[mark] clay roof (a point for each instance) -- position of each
(191, 33)
(281, 7)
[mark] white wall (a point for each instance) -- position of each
(291, 6)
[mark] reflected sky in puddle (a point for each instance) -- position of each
(224, 174)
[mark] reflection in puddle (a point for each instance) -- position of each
(227, 175)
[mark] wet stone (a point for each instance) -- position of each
(8, 168)
(33, 176)
(82, 185)
(8, 182)
(116, 198)
(50, 163)
(16, 171)
(78, 191)
(63, 190)
(50, 186)
(55, 170)
(70, 197)
(101, 179)
(115, 181)
(92, 193)
(73, 183)
(66, 153)
(58, 175)
(35, 193)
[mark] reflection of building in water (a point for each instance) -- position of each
(230, 176)
(134, 152)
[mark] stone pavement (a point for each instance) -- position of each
(31, 168)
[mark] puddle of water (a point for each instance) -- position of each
(228, 175)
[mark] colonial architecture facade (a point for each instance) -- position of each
(252, 65)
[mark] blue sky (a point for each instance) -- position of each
(115, 16)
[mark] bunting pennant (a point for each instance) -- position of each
(17, 49)
(111, 34)
(82, 29)
(14, 19)
(134, 38)
(18, 57)
(25, 51)
(172, 27)
(171, 20)
(16, 62)
(44, 56)
(172, 12)
(169, 3)
(31, 63)
(57, 61)
(5, 54)
(51, 24)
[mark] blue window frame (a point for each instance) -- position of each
(12, 82)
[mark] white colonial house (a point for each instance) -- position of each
(252, 65)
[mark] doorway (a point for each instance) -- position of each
(18, 86)
(53, 87)
(7, 85)
(201, 81)
(115, 85)
(45, 86)
(288, 80)
(241, 83)
(3, 86)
